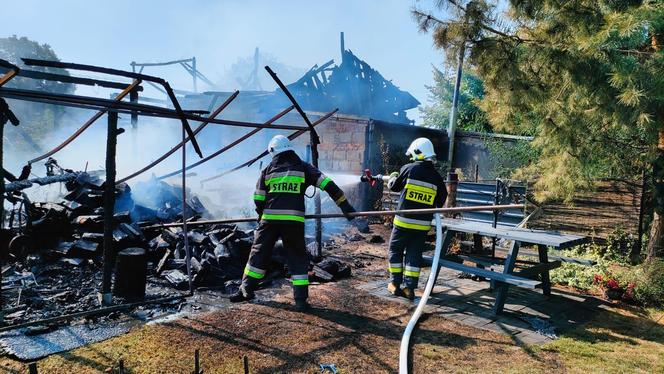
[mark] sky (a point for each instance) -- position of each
(299, 33)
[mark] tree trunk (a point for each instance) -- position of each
(656, 241)
(656, 238)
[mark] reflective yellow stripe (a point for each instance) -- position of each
(340, 200)
(253, 274)
(396, 270)
(415, 187)
(282, 217)
(259, 197)
(406, 225)
(325, 182)
(300, 282)
(414, 274)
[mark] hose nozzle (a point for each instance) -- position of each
(367, 177)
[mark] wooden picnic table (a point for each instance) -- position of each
(518, 237)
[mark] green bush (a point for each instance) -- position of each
(574, 275)
(648, 280)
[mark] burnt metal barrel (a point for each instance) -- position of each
(130, 274)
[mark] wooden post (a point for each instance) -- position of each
(495, 217)
(184, 210)
(2, 213)
(478, 247)
(32, 368)
(133, 98)
(317, 207)
(452, 184)
(197, 365)
(246, 365)
(109, 206)
(121, 367)
(317, 202)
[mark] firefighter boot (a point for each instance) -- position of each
(409, 293)
(302, 305)
(241, 295)
(394, 289)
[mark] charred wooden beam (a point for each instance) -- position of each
(109, 206)
(97, 69)
(292, 136)
(143, 64)
(70, 79)
(181, 144)
(42, 181)
(127, 90)
(94, 103)
(92, 68)
(5, 115)
(231, 145)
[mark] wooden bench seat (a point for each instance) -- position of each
(500, 277)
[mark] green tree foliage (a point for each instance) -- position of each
(588, 71)
(37, 120)
(470, 117)
(12, 49)
(506, 157)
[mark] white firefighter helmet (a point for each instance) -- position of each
(421, 149)
(279, 144)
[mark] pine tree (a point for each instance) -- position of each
(587, 74)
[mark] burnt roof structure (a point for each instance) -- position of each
(355, 88)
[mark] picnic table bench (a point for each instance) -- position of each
(518, 237)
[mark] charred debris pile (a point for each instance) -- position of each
(57, 268)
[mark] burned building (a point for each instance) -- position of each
(352, 86)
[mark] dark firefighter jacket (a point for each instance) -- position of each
(279, 194)
(421, 187)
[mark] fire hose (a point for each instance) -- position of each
(371, 213)
(405, 339)
(440, 244)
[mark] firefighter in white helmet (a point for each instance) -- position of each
(421, 187)
(279, 200)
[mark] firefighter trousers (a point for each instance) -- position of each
(266, 235)
(405, 256)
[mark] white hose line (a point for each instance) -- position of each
(405, 340)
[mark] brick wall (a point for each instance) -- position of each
(342, 143)
(341, 152)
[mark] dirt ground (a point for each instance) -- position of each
(351, 329)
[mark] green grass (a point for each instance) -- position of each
(614, 343)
